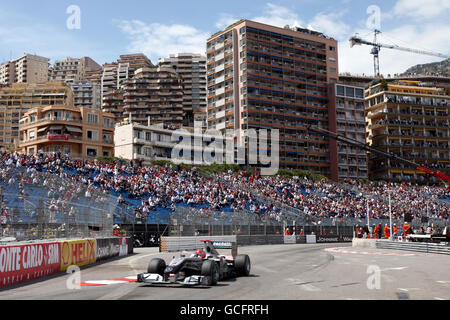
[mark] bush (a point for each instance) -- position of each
(107, 159)
(162, 163)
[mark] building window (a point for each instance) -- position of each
(93, 118)
(333, 70)
(91, 152)
(350, 92)
(32, 135)
(107, 137)
(106, 153)
(92, 135)
(359, 93)
(107, 122)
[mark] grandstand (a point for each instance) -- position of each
(79, 198)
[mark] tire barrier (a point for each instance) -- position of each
(443, 248)
(22, 262)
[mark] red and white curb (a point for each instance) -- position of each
(341, 250)
(96, 283)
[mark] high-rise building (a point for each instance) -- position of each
(265, 77)
(192, 70)
(25, 69)
(410, 121)
(19, 98)
(115, 74)
(7, 73)
(156, 94)
(31, 69)
(70, 69)
(109, 77)
(347, 118)
(86, 94)
(113, 103)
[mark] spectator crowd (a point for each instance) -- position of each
(167, 187)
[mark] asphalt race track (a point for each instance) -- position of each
(280, 272)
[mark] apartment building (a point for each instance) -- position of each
(347, 118)
(156, 93)
(83, 133)
(115, 74)
(73, 69)
(265, 77)
(31, 69)
(147, 143)
(113, 103)
(7, 73)
(17, 99)
(28, 68)
(134, 61)
(109, 81)
(86, 94)
(411, 121)
(192, 70)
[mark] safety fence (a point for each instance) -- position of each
(191, 222)
(48, 205)
(441, 248)
(21, 262)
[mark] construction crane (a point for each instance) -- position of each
(438, 174)
(376, 47)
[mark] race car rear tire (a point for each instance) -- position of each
(242, 265)
(210, 269)
(157, 266)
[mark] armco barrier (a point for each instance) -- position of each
(333, 238)
(20, 263)
(243, 240)
(413, 246)
(107, 248)
(29, 261)
(77, 253)
(174, 244)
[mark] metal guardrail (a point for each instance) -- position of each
(435, 248)
(174, 244)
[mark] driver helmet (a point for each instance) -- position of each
(201, 253)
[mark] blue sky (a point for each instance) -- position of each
(158, 28)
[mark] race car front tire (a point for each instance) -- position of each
(242, 265)
(210, 269)
(157, 266)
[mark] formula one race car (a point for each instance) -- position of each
(205, 267)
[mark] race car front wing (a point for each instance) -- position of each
(153, 278)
